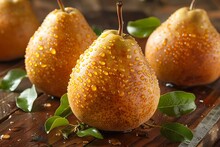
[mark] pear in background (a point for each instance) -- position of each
(55, 47)
(185, 49)
(17, 24)
(112, 86)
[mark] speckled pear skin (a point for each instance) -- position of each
(185, 49)
(112, 86)
(54, 49)
(17, 24)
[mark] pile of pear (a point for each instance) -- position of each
(185, 49)
(17, 24)
(111, 86)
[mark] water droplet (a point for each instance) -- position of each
(113, 57)
(121, 93)
(40, 47)
(85, 142)
(55, 35)
(169, 85)
(102, 54)
(5, 136)
(105, 73)
(15, 129)
(47, 105)
(114, 142)
(102, 63)
(52, 51)
(19, 139)
(129, 56)
(37, 55)
(137, 59)
(94, 88)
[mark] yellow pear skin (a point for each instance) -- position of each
(112, 86)
(185, 49)
(17, 24)
(54, 49)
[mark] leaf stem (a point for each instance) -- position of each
(119, 5)
(60, 3)
(192, 5)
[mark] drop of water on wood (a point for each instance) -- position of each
(19, 140)
(169, 85)
(46, 105)
(114, 142)
(15, 129)
(85, 142)
(5, 136)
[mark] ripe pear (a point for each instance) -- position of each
(112, 86)
(54, 49)
(185, 49)
(17, 24)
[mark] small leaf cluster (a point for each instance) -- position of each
(60, 119)
(11, 81)
(176, 104)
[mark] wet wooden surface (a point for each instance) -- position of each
(27, 129)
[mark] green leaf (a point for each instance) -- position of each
(97, 30)
(26, 99)
(90, 132)
(176, 132)
(177, 103)
(54, 122)
(64, 109)
(12, 79)
(142, 28)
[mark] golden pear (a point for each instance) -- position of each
(17, 24)
(112, 86)
(185, 49)
(54, 49)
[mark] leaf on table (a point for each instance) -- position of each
(176, 132)
(97, 30)
(90, 132)
(64, 109)
(12, 79)
(177, 103)
(26, 99)
(54, 122)
(142, 28)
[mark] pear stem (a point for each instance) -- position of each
(192, 5)
(120, 18)
(60, 3)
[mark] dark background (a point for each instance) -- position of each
(94, 10)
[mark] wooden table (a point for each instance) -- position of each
(27, 129)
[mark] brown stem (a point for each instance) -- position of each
(192, 5)
(120, 18)
(60, 3)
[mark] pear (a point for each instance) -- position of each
(53, 50)
(185, 49)
(17, 24)
(112, 86)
